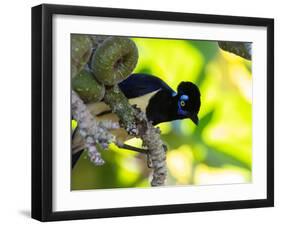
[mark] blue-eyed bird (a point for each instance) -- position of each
(154, 97)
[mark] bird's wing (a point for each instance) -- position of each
(137, 85)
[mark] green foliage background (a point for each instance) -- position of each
(218, 151)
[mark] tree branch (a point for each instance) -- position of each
(242, 49)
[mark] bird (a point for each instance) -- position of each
(155, 98)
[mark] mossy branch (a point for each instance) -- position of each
(113, 60)
(136, 123)
(242, 49)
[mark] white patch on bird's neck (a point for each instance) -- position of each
(142, 101)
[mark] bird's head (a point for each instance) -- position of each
(188, 101)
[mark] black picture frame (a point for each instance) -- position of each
(42, 107)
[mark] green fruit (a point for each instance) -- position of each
(114, 60)
(87, 87)
(81, 48)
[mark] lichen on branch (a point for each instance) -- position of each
(94, 133)
(155, 146)
(120, 105)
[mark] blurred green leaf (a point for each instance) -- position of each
(203, 122)
(218, 158)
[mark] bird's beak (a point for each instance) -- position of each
(194, 119)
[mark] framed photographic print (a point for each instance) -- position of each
(146, 112)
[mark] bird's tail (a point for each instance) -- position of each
(77, 147)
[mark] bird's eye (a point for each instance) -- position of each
(182, 103)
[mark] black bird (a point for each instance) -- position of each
(157, 99)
